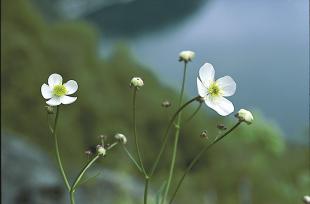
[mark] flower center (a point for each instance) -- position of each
(59, 90)
(214, 89)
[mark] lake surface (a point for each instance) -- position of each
(263, 45)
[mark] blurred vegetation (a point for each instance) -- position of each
(254, 156)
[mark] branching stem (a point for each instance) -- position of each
(197, 157)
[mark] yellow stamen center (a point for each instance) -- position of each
(214, 89)
(59, 90)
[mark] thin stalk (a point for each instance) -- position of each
(132, 158)
(79, 177)
(82, 172)
(135, 130)
(112, 146)
(197, 157)
(57, 151)
(176, 136)
(164, 143)
(72, 197)
(146, 189)
(88, 179)
(49, 124)
(193, 114)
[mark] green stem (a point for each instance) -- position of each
(164, 143)
(57, 151)
(112, 146)
(88, 179)
(135, 130)
(79, 177)
(82, 172)
(49, 124)
(197, 157)
(72, 197)
(132, 158)
(176, 137)
(193, 114)
(146, 189)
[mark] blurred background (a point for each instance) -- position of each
(102, 44)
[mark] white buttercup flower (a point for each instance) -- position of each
(186, 56)
(213, 92)
(306, 199)
(245, 116)
(56, 92)
(121, 138)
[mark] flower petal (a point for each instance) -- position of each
(227, 85)
(55, 101)
(46, 91)
(67, 99)
(206, 74)
(202, 90)
(54, 79)
(71, 87)
(220, 104)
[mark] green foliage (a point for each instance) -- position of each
(33, 49)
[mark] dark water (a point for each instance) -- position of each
(262, 44)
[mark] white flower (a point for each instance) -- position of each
(186, 56)
(306, 199)
(213, 92)
(136, 82)
(56, 92)
(245, 116)
(121, 138)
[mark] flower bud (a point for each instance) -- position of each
(204, 134)
(136, 82)
(221, 127)
(49, 109)
(103, 137)
(166, 104)
(88, 152)
(186, 56)
(101, 150)
(245, 116)
(120, 137)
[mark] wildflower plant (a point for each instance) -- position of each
(210, 91)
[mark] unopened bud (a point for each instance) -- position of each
(103, 137)
(88, 152)
(101, 150)
(120, 137)
(204, 134)
(245, 116)
(49, 109)
(136, 82)
(221, 127)
(166, 104)
(186, 56)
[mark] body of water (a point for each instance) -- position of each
(263, 45)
